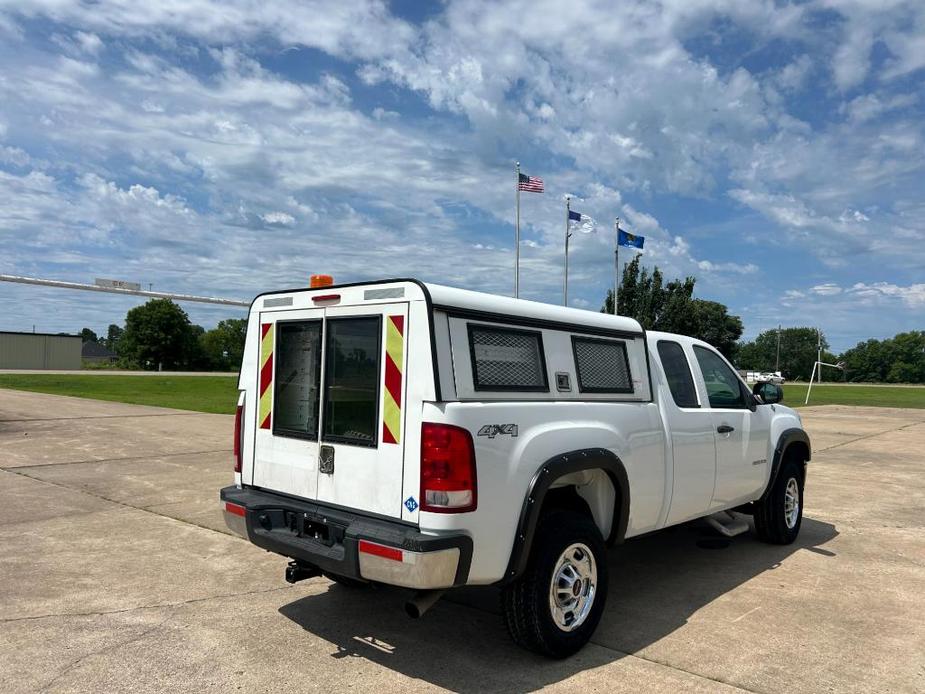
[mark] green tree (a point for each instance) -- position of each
(88, 335)
(158, 334)
(900, 359)
(112, 336)
(224, 344)
(671, 307)
(798, 352)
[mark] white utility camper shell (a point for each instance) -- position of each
(431, 437)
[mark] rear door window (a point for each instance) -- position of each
(678, 374)
(723, 387)
(351, 380)
(298, 379)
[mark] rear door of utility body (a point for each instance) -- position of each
(329, 420)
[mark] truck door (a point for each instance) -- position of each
(362, 422)
(287, 413)
(741, 435)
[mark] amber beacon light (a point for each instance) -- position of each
(321, 281)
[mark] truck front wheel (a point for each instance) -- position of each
(779, 515)
(555, 606)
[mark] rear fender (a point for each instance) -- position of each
(565, 469)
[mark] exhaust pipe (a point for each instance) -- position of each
(422, 601)
(296, 572)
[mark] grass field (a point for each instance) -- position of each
(219, 393)
(872, 396)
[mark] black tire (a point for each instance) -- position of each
(347, 582)
(528, 614)
(771, 513)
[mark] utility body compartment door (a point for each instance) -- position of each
(363, 407)
(287, 414)
(331, 403)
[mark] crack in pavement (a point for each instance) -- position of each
(187, 413)
(179, 603)
(16, 471)
(72, 666)
(115, 460)
(869, 436)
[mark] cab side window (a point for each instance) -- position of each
(678, 374)
(723, 386)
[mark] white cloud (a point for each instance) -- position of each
(911, 295)
(281, 218)
(174, 128)
(827, 289)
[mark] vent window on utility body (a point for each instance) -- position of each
(602, 365)
(507, 359)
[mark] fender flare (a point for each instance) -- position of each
(787, 437)
(549, 472)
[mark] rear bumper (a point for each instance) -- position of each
(345, 543)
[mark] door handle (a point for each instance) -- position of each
(724, 429)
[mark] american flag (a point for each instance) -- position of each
(530, 184)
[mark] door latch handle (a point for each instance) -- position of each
(724, 429)
(326, 460)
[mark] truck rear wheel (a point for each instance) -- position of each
(555, 606)
(779, 515)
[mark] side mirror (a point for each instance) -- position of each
(768, 392)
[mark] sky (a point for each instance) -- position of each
(773, 150)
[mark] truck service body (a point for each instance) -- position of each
(426, 437)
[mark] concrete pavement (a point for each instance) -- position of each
(116, 574)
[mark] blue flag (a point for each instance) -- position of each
(574, 216)
(630, 240)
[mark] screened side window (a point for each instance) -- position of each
(298, 379)
(678, 373)
(351, 380)
(602, 366)
(507, 359)
(723, 387)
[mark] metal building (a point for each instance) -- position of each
(39, 351)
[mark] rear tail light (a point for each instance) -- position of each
(448, 477)
(238, 416)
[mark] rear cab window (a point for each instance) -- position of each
(678, 374)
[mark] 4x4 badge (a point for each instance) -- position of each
(492, 430)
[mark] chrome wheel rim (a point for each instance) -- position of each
(791, 503)
(573, 587)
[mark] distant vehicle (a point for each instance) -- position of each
(770, 377)
(421, 436)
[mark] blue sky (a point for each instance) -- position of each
(775, 151)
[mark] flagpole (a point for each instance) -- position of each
(568, 203)
(616, 262)
(517, 231)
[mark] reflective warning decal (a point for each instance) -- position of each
(394, 353)
(266, 375)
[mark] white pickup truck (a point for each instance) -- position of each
(430, 437)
